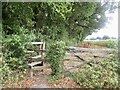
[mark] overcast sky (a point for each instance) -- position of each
(111, 29)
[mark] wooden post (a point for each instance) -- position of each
(40, 48)
(43, 45)
(43, 48)
(31, 72)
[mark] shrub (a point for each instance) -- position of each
(16, 64)
(105, 37)
(15, 45)
(14, 48)
(55, 56)
(102, 75)
(5, 71)
(9, 76)
(111, 44)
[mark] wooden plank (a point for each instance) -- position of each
(34, 63)
(40, 67)
(37, 43)
(36, 57)
(69, 65)
(30, 51)
(43, 46)
(83, 55)
(43, 50)
(77, 60)
(89, 49)
(74, 67)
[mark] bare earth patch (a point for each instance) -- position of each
(64, 83)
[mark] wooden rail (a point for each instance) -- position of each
(90, 49)
(79, 56)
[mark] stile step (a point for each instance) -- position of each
(36, 57)
(34, 63)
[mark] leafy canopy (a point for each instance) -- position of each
(55, 20)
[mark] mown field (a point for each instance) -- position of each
(100, 44)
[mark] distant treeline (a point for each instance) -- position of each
(105, 37)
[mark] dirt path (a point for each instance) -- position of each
(41, 79)
(41, 83)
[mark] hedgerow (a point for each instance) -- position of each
(55, 56)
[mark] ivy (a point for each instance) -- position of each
(55, 56)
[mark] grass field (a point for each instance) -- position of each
(99, 44)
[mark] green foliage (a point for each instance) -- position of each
(5, 71)
(16, 64)
(112, 44)
(11, 71)
(55, 56)
(53, 78)
(14, 49)
(106, 37)
(0, 34)
(101, 75)
(53, 19)
(15, 45)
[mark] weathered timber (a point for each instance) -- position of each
(84, 55)
(69, 65)
(34, 63)
(30, 52)
(40, 50)
(36, 57)
(39, 67)
(74, 66)
(38, 43)
(68, 59)
(82, 59)
(90, 49)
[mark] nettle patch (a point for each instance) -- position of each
(102, 75)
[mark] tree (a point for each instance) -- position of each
(98, 38)
(106, 37)
(92, 38)
(113, 37)
(53, 20)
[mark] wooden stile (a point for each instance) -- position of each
(38, 65)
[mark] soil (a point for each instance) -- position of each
(41, 79)
(67, 82)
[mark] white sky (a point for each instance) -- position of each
(111, 29)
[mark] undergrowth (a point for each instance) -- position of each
(101, 75)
